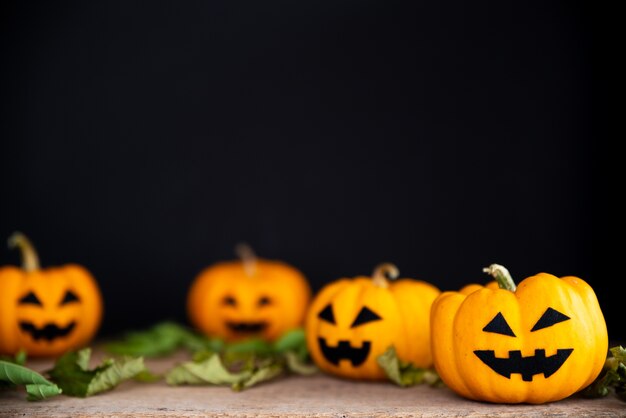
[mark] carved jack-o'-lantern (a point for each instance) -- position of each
(353, 321)
(539, 342)
(46, 312)
(247, 298)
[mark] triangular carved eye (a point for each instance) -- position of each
(365, 315)
(549, 318)
(327, 314)
(499, 325)
(30, 298)
(69, 298)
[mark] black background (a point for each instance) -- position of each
(145, 141)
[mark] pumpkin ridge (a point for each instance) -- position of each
(449, 302)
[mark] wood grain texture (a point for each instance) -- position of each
(315, 396)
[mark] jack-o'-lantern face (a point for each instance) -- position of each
(530, 365)
(355, 327)
(236, 306)
(50, 331)
(353, 321)
(258, 304)
(236, 300)
(539, 343)
(344, 349)
(49, 311)
(56, 310)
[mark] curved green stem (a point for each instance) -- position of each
(384, 271)
(502, 276)
(30, 260)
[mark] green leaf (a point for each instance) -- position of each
(619, 353)
(620, 385)
(212, 371)
(297, 366)
(146, 376)
(252, 345)
(200, 356)
(82, 359)
(115, 373)
(262, 374)
(611, 378)
(162, 339)
(295, 342)
(405, 374)
(71, 372)
(37, 386)
(291, 341)
(39, 392)
(209, 371)
(391, 365)
(19, 358)
(240, 364)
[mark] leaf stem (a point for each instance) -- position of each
(30, 260)
(248, 258)
(502, 276)
(384, 271)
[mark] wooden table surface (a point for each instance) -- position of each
(290, 396)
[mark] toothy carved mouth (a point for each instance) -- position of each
(526, 366)
(49, 332)
(344, 350)
(247, 327)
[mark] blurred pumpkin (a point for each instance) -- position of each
(353, 321)
(540, 342)
(249, 297)
(46, 312)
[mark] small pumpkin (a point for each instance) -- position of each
(46, 312)
(539, 342)
(353, 321)
(249, 297)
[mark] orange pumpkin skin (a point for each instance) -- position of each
(465, 340)
(403, 308)
(472, 287)
(229, 301)
(47, 312)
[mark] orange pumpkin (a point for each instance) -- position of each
(353, 321)
(46, 312)
(538, 342)
(250, 297)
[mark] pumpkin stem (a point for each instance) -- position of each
(384, 271)
(30, 260)
(248, 258)
(502, 276)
